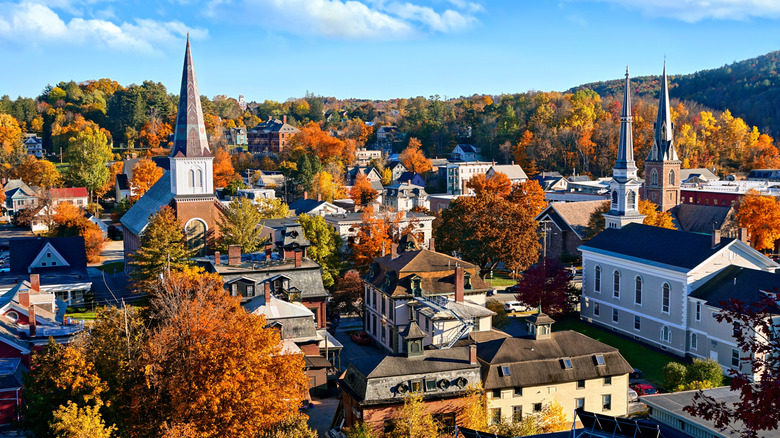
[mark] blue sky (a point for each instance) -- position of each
(379, 49)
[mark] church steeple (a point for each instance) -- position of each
(624, 187)
(189, 138)
(663, 142)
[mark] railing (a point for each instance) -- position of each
(442, 304)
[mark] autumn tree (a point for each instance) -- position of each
(327, 187)
(198, 372)
(553, 418)
(655, 217)
(88, 152)
(241, 224)
(325, 246)
(162, 247)
(73, 421)
(39, 173)
(413, 419)
(547, 284)
(58, 375)
(473, 410)
(223, 168)
(373, 237)
(348, 294)
(312, 140)
(69, 220)
(761, 216)
(362, 192)
(113, 170)
(145, 174)
(272, 208)
(413, 158)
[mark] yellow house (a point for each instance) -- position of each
(522, 375)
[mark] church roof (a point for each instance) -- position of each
(573, 216)
(189, 136)
(663, 141)
(743, 284)
(698, 218)
(136, 219)
(654, 244)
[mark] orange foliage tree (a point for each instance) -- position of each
(39, 173)
(212, 366)
(761, 216)
(145, 174)
(362, 192)
(374, 236)
(315, 141)
(10, 132)
(413, 158)
(224, 172)
(68, 220)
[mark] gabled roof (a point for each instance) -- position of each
(394, 164)
(25, 249)
(467, 148)
(571, 216)
(122, 181)
(17, 185)
(699, 218)
(744, 284)
(655, 244)
(407, 176)
(702, 172)
(159, 195)
(433, 361)
(68, 192)
(304, 206)
(189, 135)
(512, 171)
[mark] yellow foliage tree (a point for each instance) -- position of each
(553, 419)
(327, 187)
(473, 412)
(40, 173)
(72, 421)
(413, 420)
(655, 217)
(10, 132)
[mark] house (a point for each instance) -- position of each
(563, 227)
(411, 178)
(405, 197)
(60, 261)
(701, 175)
(348, 224)
(465, 152)
(704, 219)
(96, 220)
(122, 183)
(34, 145)
(256, 195)
(18, 196)
(459, 174)
(724, 193)
(363, 156)
(514, 172)
(236, 136)
(187, 188)
(442, 295)
(314, 207)
(77, 196)
(552, 181)
(271, 136)
(371, 173)
(397, 169)
(373, 388)
(522, 374)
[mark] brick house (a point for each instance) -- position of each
(271, 136)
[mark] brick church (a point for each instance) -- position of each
(188, 187)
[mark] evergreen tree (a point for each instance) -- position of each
(163, 247)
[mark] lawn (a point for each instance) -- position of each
(500, 279)
(77, 313)
(112, 267)
(649, 360)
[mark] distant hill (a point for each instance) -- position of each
(750, 89)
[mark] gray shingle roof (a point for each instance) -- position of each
(740, 283)
(136, 219)
(433, 361)
(697, 218)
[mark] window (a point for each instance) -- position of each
(579, 403)
(735, 329)
(596, 309)
(200, 178)
(735, 358)
(503, 371)
(416, 384)
(606, 402)
(637, 323)
(496, 393)
(495, 415)
(666, 334)
(694, 341)
(518, 391)
(665, 298)
(616, 284)
(581, 384)
(671, 177)
(599, 359)
(430, 385)
(654, 178)
(250, 291)
(638, 290)
(597, 279)
(615, 315)
(698, 311)
(383, 305)
(192, 178)
(517, 414)
(607, 380)
(537, 407)
(566, 362)
(614, 200)
(631, 200)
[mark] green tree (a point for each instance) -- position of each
(707, 371)
(72, 421)
(674, 375)
(500, 319)
(240, 224)
(325, 246)
(162, 246)
(88, 152)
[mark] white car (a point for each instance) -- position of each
(632, 396)
(516, 306)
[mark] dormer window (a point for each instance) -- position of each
(416, 287)
(467, 281)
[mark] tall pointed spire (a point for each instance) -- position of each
(663, 142)
(189, 138)
(625, 157)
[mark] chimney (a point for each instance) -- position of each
(742, 234)
(319, 197)
(473, 354)
(234, 255)
(269, 248)
(35, 284)
(393, 251)
(24, 298)
(267, 291)
(715, 238)
(217, 258)
(298, 258)
(305, 195)
(32, 322)
(431, 246)
(284, 119)
(459, 284)
(383, 249)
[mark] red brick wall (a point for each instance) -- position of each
(709, 198)
(9, 401)
(318, 308)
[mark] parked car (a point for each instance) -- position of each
(636, 374)
(512, 289)
(644, 389)
(516, 306)
(360, 338)
(632, 396)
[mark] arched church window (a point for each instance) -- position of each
(192, 178)
(597, 279)
(196, 237)
(671, 177)
(200, 178)
(654, 178)
(631, 201)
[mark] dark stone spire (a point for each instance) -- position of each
(189, 138)
(663, 143)
(625, 156)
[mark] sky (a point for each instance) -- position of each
(374, 49)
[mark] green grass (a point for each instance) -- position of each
(647, 359)
(112, 266)
(76, 313)
(500, 279)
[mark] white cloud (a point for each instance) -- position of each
(38, 24)
(346, 19)
(697, 10)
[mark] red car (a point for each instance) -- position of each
(644, 389)
(360, 338)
